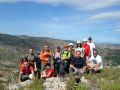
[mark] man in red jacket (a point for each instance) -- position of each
(26, 72)
(48, 72)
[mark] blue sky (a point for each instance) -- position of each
(62, 19)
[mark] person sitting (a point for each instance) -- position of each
(77, 64)
(26, 72)
(21, 63)
(48, 72)
(95, 62)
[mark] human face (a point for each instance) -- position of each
(45, 48)
(26, 64)
(84, 42)
(78, 44)
(30, 51)
(95, 53)
(65, 48)
(90, 40)
(78, 53)
(57, 50)
(71, 46)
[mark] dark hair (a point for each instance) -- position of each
(58, 47)
(90, 38)
(78, 45)
(95, 50)
(31, 47)
(26, 60)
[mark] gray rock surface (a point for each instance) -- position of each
(17, 86)
(55, 84)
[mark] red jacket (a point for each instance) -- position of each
(87, 49)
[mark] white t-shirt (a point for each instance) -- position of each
(81, 50)
(92, 46)
(97, 60)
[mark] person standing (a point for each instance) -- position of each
(38, 65)
(57, 61)
(80, 48)
(91, 44)
(86, 49)
(65, 57)
(32, 59)
(45, 57)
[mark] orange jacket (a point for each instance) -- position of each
(45, 56)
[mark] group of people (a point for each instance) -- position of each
(70, 60)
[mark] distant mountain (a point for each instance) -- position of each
(13, 47)
(38, 42)
(27, 42)
(108, 45)
(17, 45)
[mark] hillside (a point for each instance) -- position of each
(12, 48)
(27, 42)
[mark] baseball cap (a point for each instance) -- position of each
(78, 41)
(90, 38)
(71, 44)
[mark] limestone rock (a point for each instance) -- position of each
(55, 84)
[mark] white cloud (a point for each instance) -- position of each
(115, 15)
(80, 4)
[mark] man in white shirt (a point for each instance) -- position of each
(91, 44)
(95, 62)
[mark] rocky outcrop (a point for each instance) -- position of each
(17, 86)
(55, 84)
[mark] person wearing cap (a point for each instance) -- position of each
(71, 48)
(72, 51)
(45, 57)
(86, 49)
(71, 45)
(65, 57)
(91, 44)
(80, 48)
